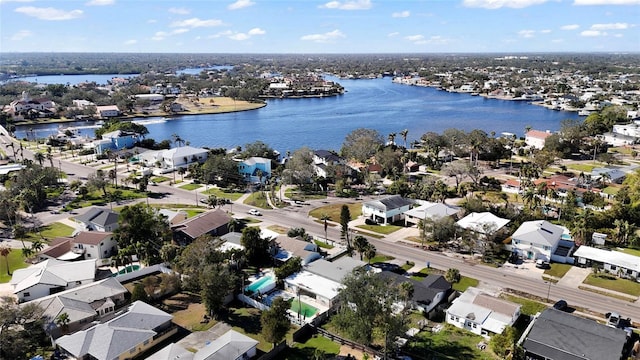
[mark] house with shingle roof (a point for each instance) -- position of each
(481, 313)
(386, 210)
(98, 219)
(231, 345)
(85, 244)
(82, 304)
(289, 248)
(427, 293)
(213, 222)
(482, 222)
(558, 335)
(51, 276)
(540, 239)
(429, 210)
(126, 336)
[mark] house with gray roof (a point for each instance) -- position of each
(51, 276)
(541, 239)
(427, 293)
(334, 270)
(557, 335)
(98, 219)
(386, 210)
(84, 245)
(82, 304)
(213, 222)
(255, 169)
(481, 313)
(126, 336)
(232, 345)
(429, 210)
(288, 248)
(615, 262)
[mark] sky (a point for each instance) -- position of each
(307, 26)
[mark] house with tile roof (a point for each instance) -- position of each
(213, 222)
(51, 276)
(82, 304)
(557, 335)
(84, 245)
(481, 313)
(98, 219)
(126, 336)
(541, 240)
(536, 138)
(386, 210)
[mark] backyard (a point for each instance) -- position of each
(448, 343)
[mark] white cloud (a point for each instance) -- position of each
(240, 4)
(21, 35)
(179, 11)
(592, 33)
(100, 2)
(196, 22)
(545, 31)
(570, 27)
(414, 37)
(348, 5)
(239, 36)
(221, 34)
(618, 35)
(557, 41)
(49, 13)
(6, 1)
(179, 31)
(401, 14)
(257, 31)
(160, 35)
(131, 42)
(393, 34)
(615, 26)
(526, 33)
(326, 37)
(606, 2)
(496, 4)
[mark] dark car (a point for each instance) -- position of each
(560, 305)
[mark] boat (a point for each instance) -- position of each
(583, 112)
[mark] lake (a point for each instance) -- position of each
(323, 123)
(100, 79)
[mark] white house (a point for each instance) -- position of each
(386, 210)
(615, 262)
(541, 239)
(107, 111)
(51, 276)
(481, 313)
(616, 139)
(429, 210)
(171, 159)
(536, 138)
(249, 169)
(632, 129)
(98, 219)
(482, 222)
(232, 345)
(88, 244)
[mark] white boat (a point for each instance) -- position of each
(584, 112)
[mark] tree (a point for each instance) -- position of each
(452, 275)
(360, 244)
(274, 321)
(404, 134)
(62, 321)
(143, 230)
(5, 251)
(345, 217)
(370, 252)
(443, 229)
(361, 144)
(325, 217)
(139, 293)
(299, 169)
(98, 181)
(21, 329)
(39, 157)
(216, 282)
(503, 343)
(257, 248)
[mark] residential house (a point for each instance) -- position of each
(26, 103)
(231, 241)
(617, 139)
(232, 345)
(126, 336)
(84, 245)
(98, 219)
(172, 159)
(536, 138)
(429, 210)
(631, 129)
(288, 248)
(213, 222)
(51, 276)
(481, 313)
(255, 169)
(482, 222)
(387, 210)
(615, 262)
(176, 107)
(82, 304)
(116, 140)
(557, 335)
(541, 240)
(173, 217)
(427, 293)
(107, 111)
(608, 174)
(323, 159)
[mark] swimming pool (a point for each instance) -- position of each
(262, 285)
(302, 308)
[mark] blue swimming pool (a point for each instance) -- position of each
(263, 284)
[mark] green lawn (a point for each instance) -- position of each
(585, 168)
(192, 212)
(558, 270)
(16, 261)
(449, 343)
(611, 282)
(317, 344)
(159, 179)
(233, 196)
(246, 320)
(190, 186)
(380, 258)
(611, 190)
(464, 283)
(301, 195)
(380, 229)
(529, 307)
(333, 211)
(50, 232)
(634, 252)
(257, 199)
(424, 272)
(322, 244)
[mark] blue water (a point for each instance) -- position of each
(323, 123)
(100, 79)
(260, 283)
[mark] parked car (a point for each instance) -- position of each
(541, 264)
(254, 212)
(560, 305)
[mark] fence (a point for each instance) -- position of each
(274, 352)
(352, 344)
(143, 272)
(251, 302)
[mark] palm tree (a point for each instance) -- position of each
(392, 138)
(360, 244)
(370, 252)
(62, 321)
(324, 217)
(4, 252)
(37, 246)
(39, 157)
(233, 225)
(404, 134)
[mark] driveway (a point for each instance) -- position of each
(574, 277)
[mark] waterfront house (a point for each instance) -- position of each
(541, 240)
(255, 169)
(427, 293)
(213, 222)
(116, 140)
(429, 210)
(107, 111)
(536, 138)
(98, 219)
(84, 245)
(616, 139)
(82, 304)
(386, 210)
(51, 276)
(325, 159)
(126, 336)
(557, 335)
(481, 313)
(614, 262)
(172, 159)
(26, 103)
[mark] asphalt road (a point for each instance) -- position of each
(297, 216)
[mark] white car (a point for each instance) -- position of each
(254, 212)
